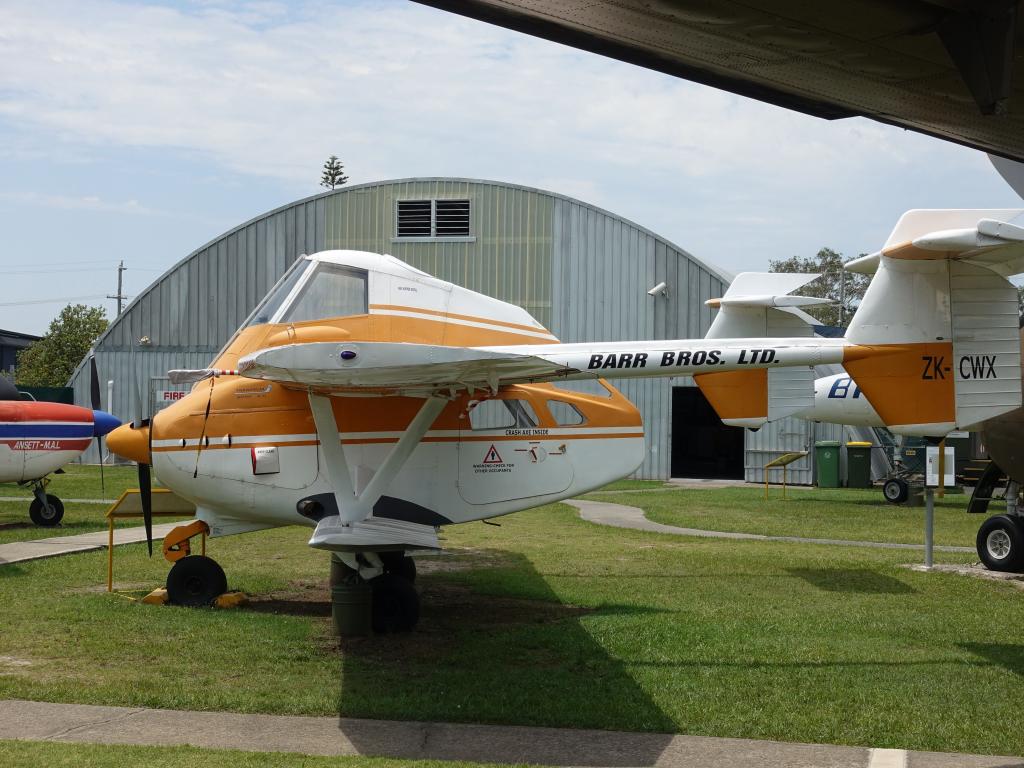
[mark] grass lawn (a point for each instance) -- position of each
(29, 754)
(839, 513)
(549, 620)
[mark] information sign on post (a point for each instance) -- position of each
(931, 473)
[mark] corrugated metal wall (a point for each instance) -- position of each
(581, 271)
(603, 267)
(508, 256)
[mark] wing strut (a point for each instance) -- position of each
(353, 507)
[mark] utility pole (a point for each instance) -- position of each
(120, 294)
(842, 297)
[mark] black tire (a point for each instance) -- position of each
(396, 605)
(399, 564)
(896, 490)
(47, 516)
(195, 580)
(1000, 544)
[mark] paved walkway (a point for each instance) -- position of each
(621, 516)
(20, 551)
(40, 721)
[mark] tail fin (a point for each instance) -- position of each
(758, 305)
(938, 345)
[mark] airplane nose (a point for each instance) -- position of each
(130, 443)
(103, 422)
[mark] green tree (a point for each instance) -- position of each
(50, 361)
(834, 283)
(334, 173)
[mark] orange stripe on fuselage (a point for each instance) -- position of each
(906, 383)
(385, 440)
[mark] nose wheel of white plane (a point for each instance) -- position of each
(46, 510)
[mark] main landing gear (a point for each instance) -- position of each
(386, 579)
(46, 510)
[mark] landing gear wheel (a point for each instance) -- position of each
(399, 564)
(195, 580)
(396, 606)
(1001, 544)
(46, 515)
(896, 491)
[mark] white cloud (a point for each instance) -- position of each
(392, 87)
(80, 203)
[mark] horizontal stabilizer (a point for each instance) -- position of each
(989, 238)
(758, 304)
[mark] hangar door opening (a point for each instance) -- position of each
(702, 446)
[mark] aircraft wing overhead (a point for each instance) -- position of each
(946, 68)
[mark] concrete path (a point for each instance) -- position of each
(39, 721)
(621, 516)
(20, 551)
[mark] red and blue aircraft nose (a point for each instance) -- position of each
(103, 422)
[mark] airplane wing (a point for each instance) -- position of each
(405, 367)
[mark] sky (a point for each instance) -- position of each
(139, 131)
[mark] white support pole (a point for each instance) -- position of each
(349, 508)
(929, 526)
(395, 460)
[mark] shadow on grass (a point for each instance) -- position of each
(1009, 657)
(521, 656)
(15, 526)
(10, 569)
(860, 580)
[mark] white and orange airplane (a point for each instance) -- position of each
(376, 403)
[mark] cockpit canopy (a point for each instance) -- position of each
(313, 290)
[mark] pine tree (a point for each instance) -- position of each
(334, 173)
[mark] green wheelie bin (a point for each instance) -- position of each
(826, 459)
(858, 465)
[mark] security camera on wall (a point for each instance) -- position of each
(661, 289)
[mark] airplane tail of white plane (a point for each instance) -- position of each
(760, 305)
(943, 319)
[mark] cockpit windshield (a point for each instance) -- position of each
(332, 291)
(313, 290)
(273, 301)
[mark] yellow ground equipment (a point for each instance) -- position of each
(165, 504)
(782, 461)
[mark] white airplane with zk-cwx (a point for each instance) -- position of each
(376, 404)
(940, 276)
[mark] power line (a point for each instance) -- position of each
(49, 301)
